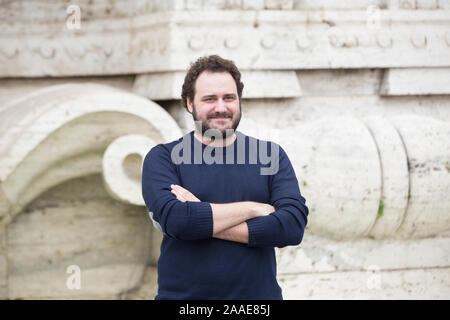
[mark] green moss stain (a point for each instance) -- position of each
(380, 209)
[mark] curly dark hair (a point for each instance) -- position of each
(212, 63)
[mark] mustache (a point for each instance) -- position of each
(220, 115)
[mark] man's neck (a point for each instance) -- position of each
(215, 143)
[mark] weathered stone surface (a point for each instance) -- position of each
(336, 163)
(279, 113)
(180, 114)
(416, 81)
(60, 133)
(5, 206)
(258, 84)
(3, 267)
(365, 269)
(148, 287)
(402, 284)
(12, 89)
(395, 178)
(347, 82)
(109, 241)
(122, 167)
(159, 86)
(318, 254)
(428, 148)
(256, 40)
(51, 11)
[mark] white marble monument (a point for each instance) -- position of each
(357, 92)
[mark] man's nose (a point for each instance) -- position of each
(220, 105)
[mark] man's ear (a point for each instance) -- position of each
(189, 104)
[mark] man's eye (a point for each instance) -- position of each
(231, 98)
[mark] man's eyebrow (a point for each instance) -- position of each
(209, 96)
(215, 95)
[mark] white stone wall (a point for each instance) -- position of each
(77, 223)
(380, 67)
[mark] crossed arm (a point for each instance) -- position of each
(229, 219)
(185, 217)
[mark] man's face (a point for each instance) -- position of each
(216, 102)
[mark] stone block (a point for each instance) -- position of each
(373, 284)
(279, 4)
(258, 84)
(109, 242)
(416, 81)
(318, 254)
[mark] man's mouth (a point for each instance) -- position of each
(223, 117)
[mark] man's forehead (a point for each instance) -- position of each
(215, 83)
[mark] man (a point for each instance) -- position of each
(221, 215)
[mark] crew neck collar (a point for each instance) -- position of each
(237, 133)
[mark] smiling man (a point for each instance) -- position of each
(221, 209)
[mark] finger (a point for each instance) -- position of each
(189, 196)
(182, 191)
(185, 194)
(180, 188)
(178, 195)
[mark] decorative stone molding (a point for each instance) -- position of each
(232, 42)
(395, 178)
(122, 167)
(419, 39)
(384, 39)
(169, 40)
(59, 133)
(378, 178)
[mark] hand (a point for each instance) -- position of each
(262, 209)
(182, 194)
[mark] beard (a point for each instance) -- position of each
(208, 131)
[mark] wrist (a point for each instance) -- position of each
(251, 209)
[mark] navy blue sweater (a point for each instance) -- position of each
(193, 264)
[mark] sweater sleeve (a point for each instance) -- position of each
(180, 220)
(286, 225)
